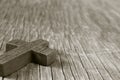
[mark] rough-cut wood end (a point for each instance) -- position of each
(45, 57)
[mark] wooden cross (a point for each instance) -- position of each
(19, 53)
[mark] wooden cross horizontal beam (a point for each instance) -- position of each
(19, 53)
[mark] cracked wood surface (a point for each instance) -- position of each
(86, 33)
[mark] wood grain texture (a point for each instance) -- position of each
(86, 34)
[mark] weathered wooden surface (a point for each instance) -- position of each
(86, 34)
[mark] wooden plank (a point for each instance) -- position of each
(85, 33)
(57, 69)
(89, 66)
(45, 73)
(92, 55)
(111, 68)
(77, 60)
(66, 67)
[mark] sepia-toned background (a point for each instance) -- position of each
(86, 34)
